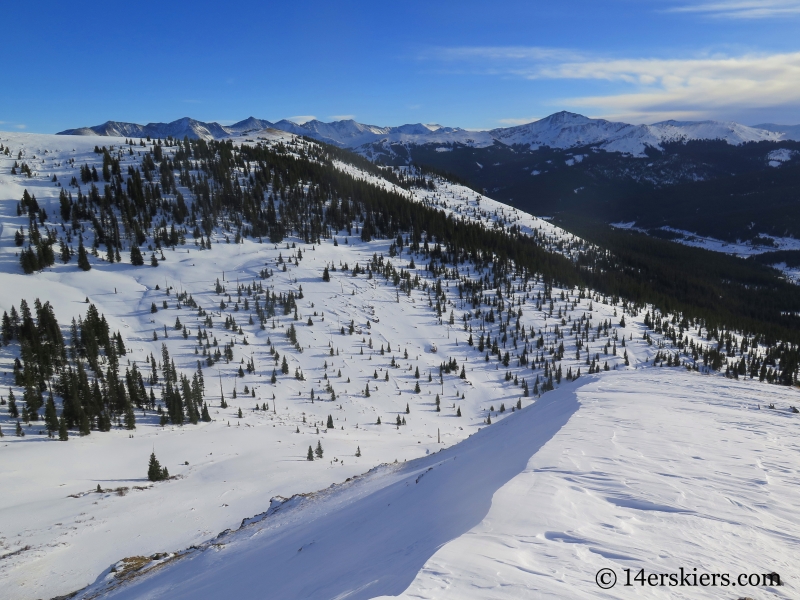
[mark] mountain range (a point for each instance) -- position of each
(562, 130)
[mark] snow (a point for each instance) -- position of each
(561, 130)
(59, 534)
(739, 248)
(777, 157)
(653, 469)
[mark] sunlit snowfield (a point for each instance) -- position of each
(637, 467)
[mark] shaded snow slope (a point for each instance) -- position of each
(655, 469)
(658, 469)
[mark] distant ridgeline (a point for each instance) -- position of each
(270, 191)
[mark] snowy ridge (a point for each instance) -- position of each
(581, 480)
(561, 130)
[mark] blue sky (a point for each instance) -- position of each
(460, 63)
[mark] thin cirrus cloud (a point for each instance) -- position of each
(646, 89)
(742, 9)
(300, 119)
(519, 121)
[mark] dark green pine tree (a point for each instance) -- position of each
(318, 451)
(85, 427)
(63, 434)
(130, 418)
(358, 451)
(310, 454)
(408, 410)
(13, 411)
(284, 366)
(458, 412)
(417, 389)
(274, 377)
(64, 252)
(155, 472)
(330, 422)
(50, 416)
(239, 415)
(83, 259)
(137, 260)
(366, 391)
(204, 416)
(19, 431)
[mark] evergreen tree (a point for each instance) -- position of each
(239, 415)
(310, 454)
(458, 412)
(19, 431)
(83, 259)
(130, 418)
(63, 434)
(205, 417)
(50, 416)
(330, 422)
(358, 451)
(137, 260)
(13, 411)
(417, 389)
(318, 451)
(155, 472)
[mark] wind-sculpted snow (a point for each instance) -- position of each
(76, 507)
(646, 469)
(369, 537)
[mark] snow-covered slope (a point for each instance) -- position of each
(733, 133)
(560, 130)
(789, 132)
(58, 532)
(653, 470)
(185, 127)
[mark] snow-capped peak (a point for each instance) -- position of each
(561, 130)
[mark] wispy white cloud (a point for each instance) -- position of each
(300, 119)
(497, 53)
(648, 89)
(693, 87)
(341, 117)
(520, 121)
(21, 126)
(742, 9)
